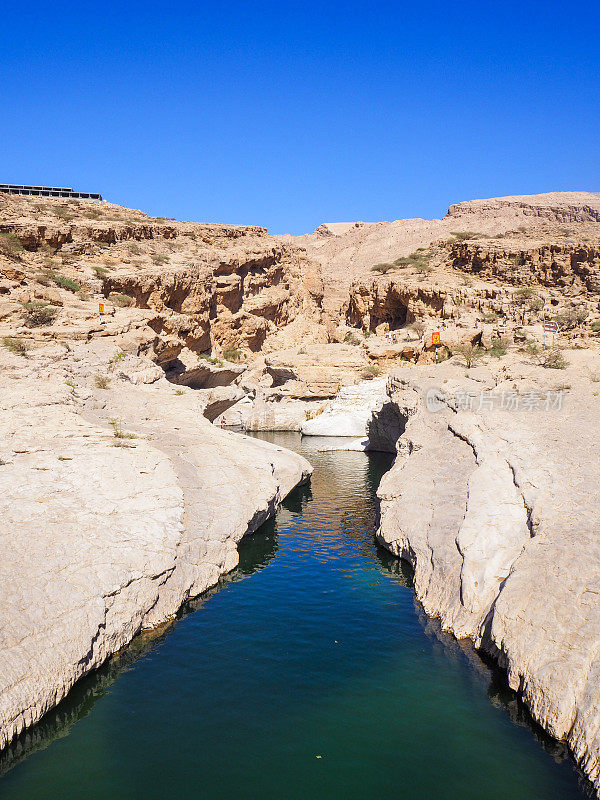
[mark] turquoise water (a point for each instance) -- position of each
(310, 673)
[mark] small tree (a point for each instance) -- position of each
(382, 268)
(499, 346)
(418, 326)
(469, 353)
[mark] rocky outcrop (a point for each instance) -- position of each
(347, 252)
(118, 506)
(566, 266)
(495, 506)
(392, 302)
(559, 207)
(350, 413)
(207, 288)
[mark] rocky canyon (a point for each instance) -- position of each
(138, 352)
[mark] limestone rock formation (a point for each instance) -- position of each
(124, 335)
(350, 413)
(493, 500)
(346, 252)
(120, 502)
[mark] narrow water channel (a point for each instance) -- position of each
(309, 673)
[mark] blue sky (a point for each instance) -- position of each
(292, 114)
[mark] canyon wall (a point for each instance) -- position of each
(496, 510)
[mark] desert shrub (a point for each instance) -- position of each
(17, 346)
(120, 299)
(232, 354)
(369, 372)
(418, 326)
(100, 271)
(518, 259)
(527, 298)
(93, 213)
(572, 318)
(383, 269)
(463, 235)
(498, 347)
(64, 213)
(214, 361)
(102, 381)
(551, 358)
(554, 359)
(469, 353)
(419, 260)
(352, 338)
(116, 359)
(118, 432)
(66, 283)
(159, 259)
(37, 313)
(595, 326)
(10, 246)
(490, 316)
(312, 414)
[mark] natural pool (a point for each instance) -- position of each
(309, 673)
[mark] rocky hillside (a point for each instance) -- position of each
(347, 252)
(173, 286)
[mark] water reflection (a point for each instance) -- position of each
(257, 551)
(482, 671)
(325, 653)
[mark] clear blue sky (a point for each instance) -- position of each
(292, 114)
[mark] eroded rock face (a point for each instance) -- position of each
(572, 266)
(207, 288)
(350, 413)
(497, 512)
(347, 252)
(120, 502)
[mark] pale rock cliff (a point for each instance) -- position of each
(496, 510)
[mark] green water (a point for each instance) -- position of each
(309, 673)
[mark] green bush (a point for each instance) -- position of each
(383, 269)
(66, 283)
(469, 353)
(102, 381)
(62, 212)
(369, 372)
(121, 300)
(463, 235)
(419, 260)
(232, 354)
(37, 314)
(118, 431)
(159, 259)
(17, 346)
(490, 316)
(554, 359)
(352, 338)
(116, 359)
(214, 361)
(10, 246)
(499, 347)
(551, 358)
(418, 327)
